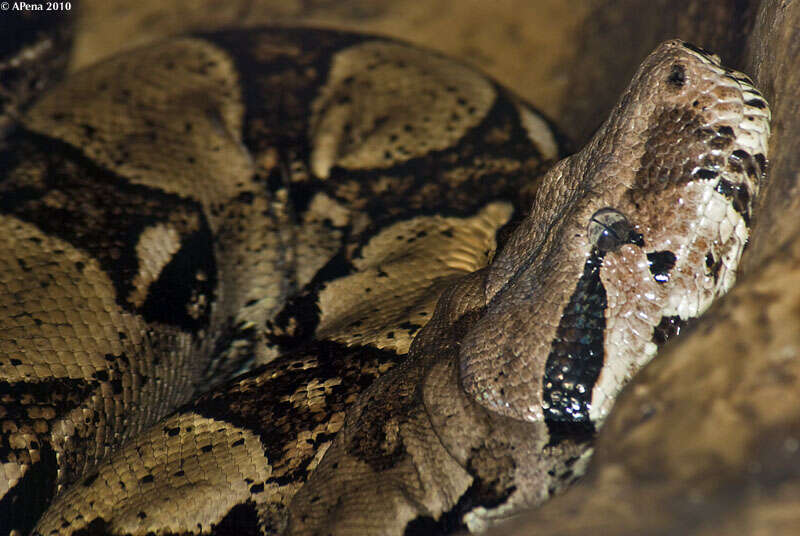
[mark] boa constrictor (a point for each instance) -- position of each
(429, 325)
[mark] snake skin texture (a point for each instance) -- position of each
(298, 281)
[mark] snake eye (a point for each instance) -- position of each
(609, 229)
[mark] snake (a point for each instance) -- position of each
(303, 281)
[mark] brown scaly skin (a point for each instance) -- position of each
(503, 389)
(173, 215)
(464, 431)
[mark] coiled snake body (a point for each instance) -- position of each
(435, 325)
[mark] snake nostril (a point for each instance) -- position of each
(677, 75)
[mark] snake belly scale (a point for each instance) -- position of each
(298, 281)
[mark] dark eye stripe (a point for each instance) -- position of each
(576, 358)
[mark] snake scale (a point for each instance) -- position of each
(299, 281)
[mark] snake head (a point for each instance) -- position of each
(626, 240)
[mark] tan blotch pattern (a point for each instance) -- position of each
(59, 320)
(163, 483)
(386, 103)
(539, 132)
(157, 244)
(58, 312)
(403, 283)
(169, 117)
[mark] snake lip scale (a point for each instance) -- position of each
(301, 281)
